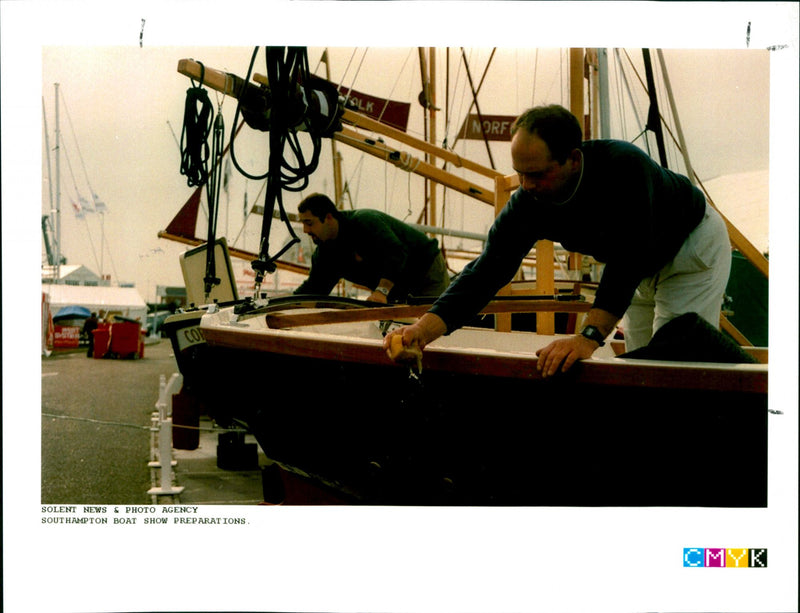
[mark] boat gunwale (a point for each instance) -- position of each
(711, 376)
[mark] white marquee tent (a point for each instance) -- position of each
(125, 301)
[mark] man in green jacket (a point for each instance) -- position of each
(371, 249)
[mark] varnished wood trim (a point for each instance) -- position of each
(624, 373)
(292, 320)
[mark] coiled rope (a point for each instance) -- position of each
(198, 117)
(197, 120)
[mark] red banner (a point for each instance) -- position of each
(495, 127)
(67, 337)
(390, 112)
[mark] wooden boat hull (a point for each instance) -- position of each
(480, 426)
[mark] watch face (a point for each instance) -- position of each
(593, 333)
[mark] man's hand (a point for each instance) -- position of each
(381, 292)
(564, 353)
(377, 297)
(408, 336)
(428, 328)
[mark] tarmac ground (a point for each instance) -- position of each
(97, 437)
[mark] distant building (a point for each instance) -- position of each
(171, 295)
(73, 274)
(105, 301)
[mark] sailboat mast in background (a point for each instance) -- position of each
(58, 192)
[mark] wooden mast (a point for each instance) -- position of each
(58, 192)
(432, 129)
(335, 155)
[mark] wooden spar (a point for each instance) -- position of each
(412, 164)
(362, 121)
(576, 84)
(358, 120)
(431, 159)
(233, 85)
(234, 252)
(735, 333)
(337, 159)
(225, 82)
(740, 241)
(545, 283)
(290, 320)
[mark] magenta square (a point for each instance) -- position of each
(715, 557)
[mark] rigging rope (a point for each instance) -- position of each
(355, 76)
(380, 114)
(197, 120)
(79, 211)
(235, 121)
(77, 148)
(347, 68)
(286, 107)
(212, 196)
(394, 85)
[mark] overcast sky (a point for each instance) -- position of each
(122, 107)
(121, 111)
(119, 89)
(120, 86)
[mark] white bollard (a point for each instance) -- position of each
(165, 461)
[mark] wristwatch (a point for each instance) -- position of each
(593, 334)
(382, 290)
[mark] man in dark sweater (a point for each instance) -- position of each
(666, 251)
(371, 249)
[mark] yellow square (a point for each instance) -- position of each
(736, 558)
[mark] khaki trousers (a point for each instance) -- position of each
(694, 281)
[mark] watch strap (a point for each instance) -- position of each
(594, 334)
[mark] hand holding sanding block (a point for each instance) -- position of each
(411, 356)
